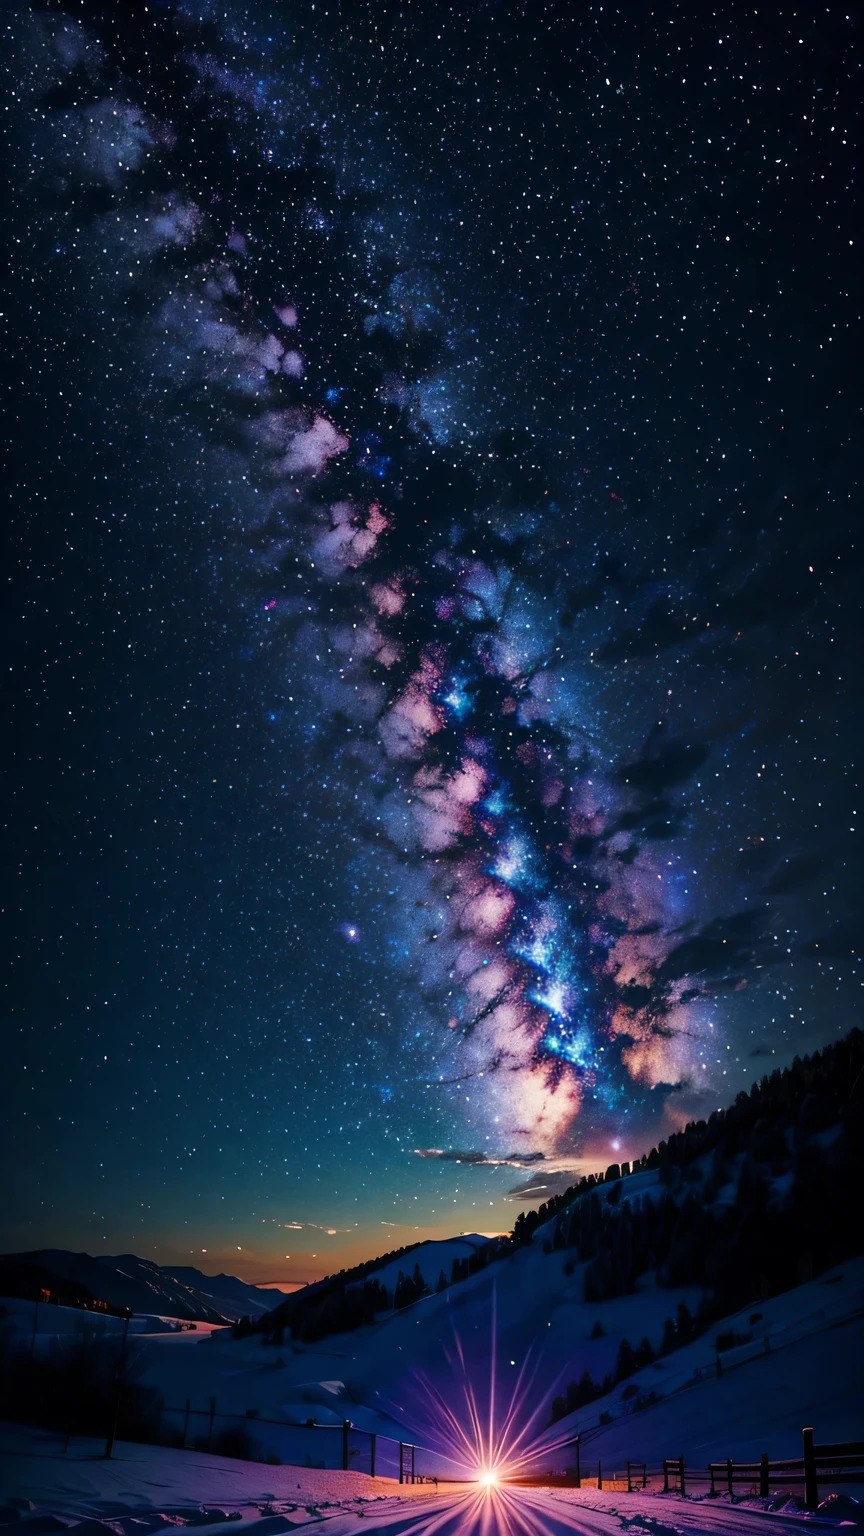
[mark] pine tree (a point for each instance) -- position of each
(684, 1323)
(644, 1354)
(668, 1341)
(625, 1364)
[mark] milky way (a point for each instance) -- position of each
(534, 675)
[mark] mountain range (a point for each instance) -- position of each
(127, 1282)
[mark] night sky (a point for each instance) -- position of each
(431, 630)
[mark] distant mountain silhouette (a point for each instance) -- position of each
(233, 1297)
(124, 1281)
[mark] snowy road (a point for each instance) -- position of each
(554, 1512)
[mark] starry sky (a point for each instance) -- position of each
(431, 613)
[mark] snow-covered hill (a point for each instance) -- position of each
(628, 1312)
(432, 1259)
(529, 1318)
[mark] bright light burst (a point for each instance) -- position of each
(490, 1431)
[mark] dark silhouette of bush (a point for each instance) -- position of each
(72, 1389)
(236, 1442)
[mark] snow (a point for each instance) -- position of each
(144, 1482)
(228, 1294)
(529, 1314)
(432, 1257)
(80, 1484)
(174, 1291)
(64, 1322)
(760, 1408)
(374, 1377)
(820, 1325)
(124, 1281)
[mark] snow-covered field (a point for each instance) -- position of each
(147, 1489)
(79, 1483)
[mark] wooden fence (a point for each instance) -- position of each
(820, 1464)
(349, 1447)
(843, 1463)
(342, 1445)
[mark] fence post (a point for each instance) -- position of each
(763, 1475)
(729, 1474)
(644, 1474)
(346, 1425)
(210, 1426)
(578, 1465)
(681, 1474)
(599, 1474)
(665, 1475)
(811, 1486)
(401, 1450)
(713, 1492)
(118, 1388)
(629, 1484)
(373, 1441)
(413, 1449)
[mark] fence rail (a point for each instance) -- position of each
(346, 1446)
(340, 1445)
(819, 1465)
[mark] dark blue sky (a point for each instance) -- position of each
(432, 605)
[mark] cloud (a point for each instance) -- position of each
(726, 944)
(314, 1226)
(658, 770)
(546, 1185)
(798, 871)
(482, 1159)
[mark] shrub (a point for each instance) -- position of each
(236, 1442)
(73, 1389)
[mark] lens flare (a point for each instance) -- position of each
(491, 1434)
